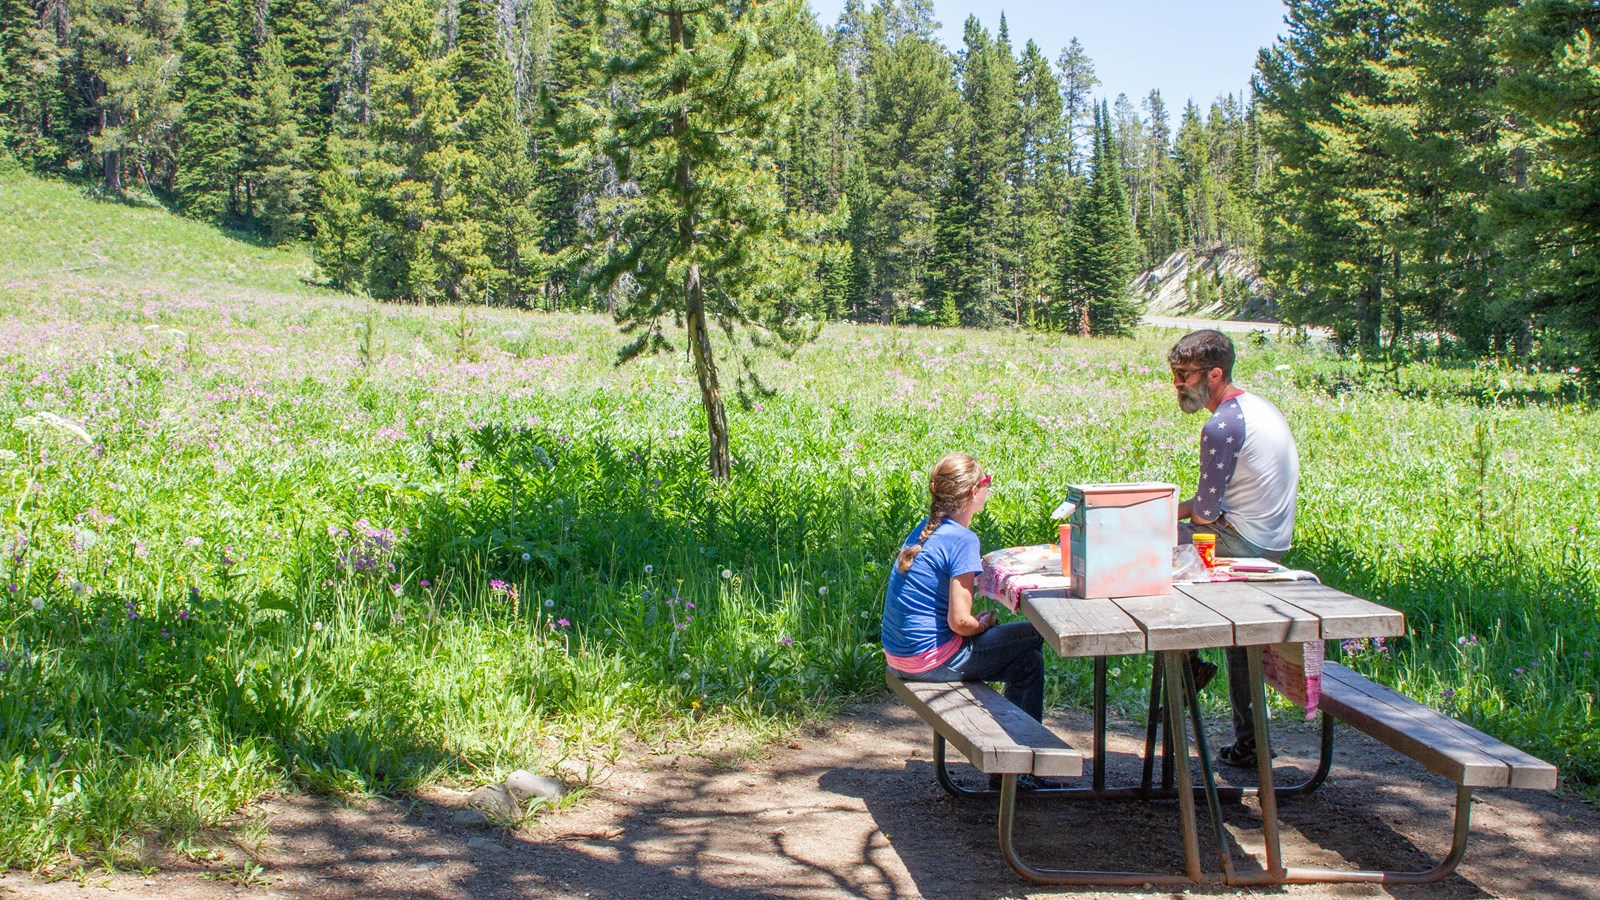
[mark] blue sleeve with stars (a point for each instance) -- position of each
(1220, 442)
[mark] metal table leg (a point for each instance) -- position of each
(1099, 775)
(1179, 733)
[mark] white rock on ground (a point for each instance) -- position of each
(524, 784)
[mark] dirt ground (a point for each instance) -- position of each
(852, 810)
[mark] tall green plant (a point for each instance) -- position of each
(707, 239)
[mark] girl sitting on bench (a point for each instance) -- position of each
(929, 631)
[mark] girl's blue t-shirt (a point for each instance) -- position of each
(916, 607)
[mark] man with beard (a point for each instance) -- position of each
(1249, 473)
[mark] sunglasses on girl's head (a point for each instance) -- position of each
(984, 481)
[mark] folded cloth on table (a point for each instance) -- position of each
(1008, 573)
(1252, 569)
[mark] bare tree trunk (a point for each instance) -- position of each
(111, 160)
(1083, 317)
(705, 360)
(705, 369)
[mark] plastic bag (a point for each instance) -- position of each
(1186, 564)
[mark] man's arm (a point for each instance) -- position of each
(1220, 442)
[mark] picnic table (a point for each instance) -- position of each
(1252, 615)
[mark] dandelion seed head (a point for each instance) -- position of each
(527, 557)
(38, 604)
(317, 625)
(648, 568)
(727, 573)
(822, 591)
(550, 603)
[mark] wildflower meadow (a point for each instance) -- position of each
(258, 534)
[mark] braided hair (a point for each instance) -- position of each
(950, 486)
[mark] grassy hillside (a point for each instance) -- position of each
(256, 533)
(54, 234)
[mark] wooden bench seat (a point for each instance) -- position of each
(1444, 746)
(992, 732)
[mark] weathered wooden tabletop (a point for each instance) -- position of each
(1197, 616)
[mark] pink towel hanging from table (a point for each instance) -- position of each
(1295, 671)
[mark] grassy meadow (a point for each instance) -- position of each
(256, 533)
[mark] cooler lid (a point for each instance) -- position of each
(1099, 496)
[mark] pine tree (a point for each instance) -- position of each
(706, 240)
(990, 154)
(904, 145)
(1042, 184)
(337, 244)
(421, 241)
(502, 183)
(1102, 250)
(1333, 210)
(30, 85)
(1553, 49)
(211, 88)
(1197, 185)
(124, 51)
(1128, 141)
(1159, 230)
(1075, 71)
(276, 177)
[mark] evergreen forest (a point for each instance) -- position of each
(1419, 177)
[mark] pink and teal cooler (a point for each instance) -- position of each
(1122, 538)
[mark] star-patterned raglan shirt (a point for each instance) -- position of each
(1249, 471)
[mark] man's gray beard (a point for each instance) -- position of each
(1194, 399)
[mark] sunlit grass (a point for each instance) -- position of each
(317, 540)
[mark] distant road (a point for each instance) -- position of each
(1229, 325)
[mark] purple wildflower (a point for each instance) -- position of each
(786, 641)
(563, 623)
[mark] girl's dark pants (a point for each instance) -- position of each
(1012, 653)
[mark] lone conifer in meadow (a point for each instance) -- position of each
(705, 239)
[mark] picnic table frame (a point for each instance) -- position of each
(1227, 614)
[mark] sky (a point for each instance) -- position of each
(1189, 49)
